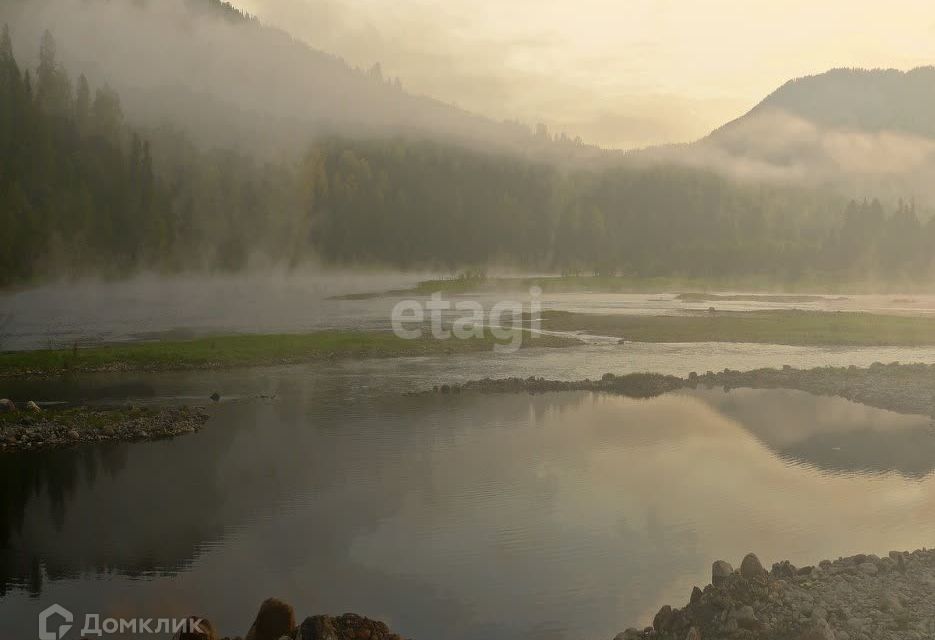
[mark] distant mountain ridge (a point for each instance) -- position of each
(862, 133)
(869, 100)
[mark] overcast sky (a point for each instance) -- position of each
(617, 72)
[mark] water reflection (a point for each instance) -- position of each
(553, 516)
(832, 433)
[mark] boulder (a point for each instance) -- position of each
(784, 569)
(751, 568)
(817, 630)
(274, 620)
(889, 602)
(720, 571)
(7, 406)
(33, 407)
(205, 630)
(347, 627)
(695, 596)
(216, 397)
(660, 622)
(744, 616)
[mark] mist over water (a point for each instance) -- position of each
(150, 307)
(153, 307)
(177, 169)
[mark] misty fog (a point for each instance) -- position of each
(229, 82)
(278, 328)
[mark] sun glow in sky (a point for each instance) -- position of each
(619, 73)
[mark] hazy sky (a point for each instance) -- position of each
(617, 72)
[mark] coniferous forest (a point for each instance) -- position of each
(84, 191)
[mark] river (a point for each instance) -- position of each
(462, 516)
(561, 515)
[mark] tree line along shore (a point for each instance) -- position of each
(86, 188)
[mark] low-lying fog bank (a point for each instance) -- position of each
(91, 311)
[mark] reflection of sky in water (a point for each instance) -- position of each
(502, 516)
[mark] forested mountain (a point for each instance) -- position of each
(83, 192)
(228, 80)
(865, 100)
(238, 146)
(862, 133)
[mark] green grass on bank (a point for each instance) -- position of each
(70, 417)
(548, 284)
(770, 327)
(247, 350)
(699, 288)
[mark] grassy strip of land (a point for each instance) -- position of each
(700, 288)
(754, 297)
(768, 327)
(554, 284)
(246, 350)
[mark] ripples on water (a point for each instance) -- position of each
(563, 515)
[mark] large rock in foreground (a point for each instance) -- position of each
(350, 626)
(274, 620)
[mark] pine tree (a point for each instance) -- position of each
(6, 46)
(83, 106)
(107, 116)
(53, 90)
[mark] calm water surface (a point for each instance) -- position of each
(564, 515)
(141, 308)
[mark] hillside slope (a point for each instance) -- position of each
(202, 66)
(865, 134)
(867, 100)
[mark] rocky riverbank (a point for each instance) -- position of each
(34, 429)
(863, 597)
(276, 620)
(905, 388)
(859, 598)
